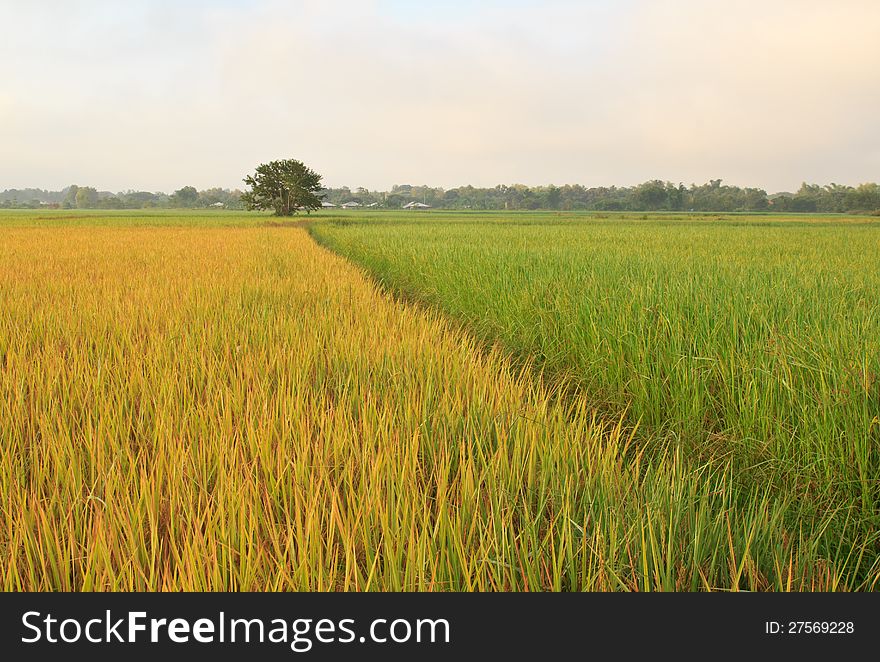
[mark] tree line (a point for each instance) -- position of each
(654, 195)
(87, 197)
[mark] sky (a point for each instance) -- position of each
(162, 94)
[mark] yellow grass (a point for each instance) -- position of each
(200, 408)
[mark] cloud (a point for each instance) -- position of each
(158, 95)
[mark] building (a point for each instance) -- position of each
(326, 204)
(416, 205)
(351, 204)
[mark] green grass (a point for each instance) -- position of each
(751, 341)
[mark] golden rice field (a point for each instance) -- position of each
(195, 406)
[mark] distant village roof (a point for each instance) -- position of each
(327, 204)
(373, 204)
(351, 203)
(416, 205)
(218, 204)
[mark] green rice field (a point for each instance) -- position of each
(750, 341)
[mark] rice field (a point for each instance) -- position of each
(219, 403)
(751, 341)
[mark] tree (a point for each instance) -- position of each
(185, 197)
(286, 186)
(70, 196)
(651, 195)
(86, 197)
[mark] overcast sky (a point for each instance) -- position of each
(158, 95)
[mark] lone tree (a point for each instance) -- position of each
(286, 186)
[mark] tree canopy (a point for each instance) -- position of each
(286, 186)
(187, 196)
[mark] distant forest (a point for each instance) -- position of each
(654, 195)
